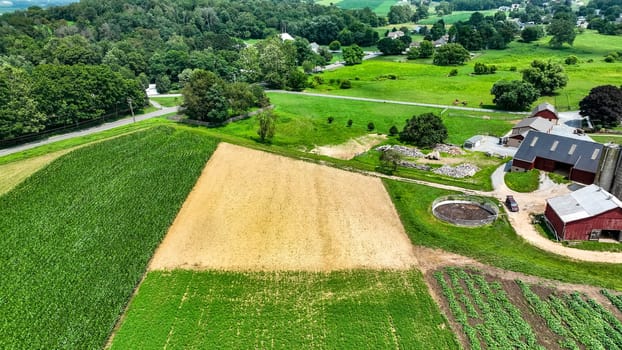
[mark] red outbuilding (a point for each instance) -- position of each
(547, 111)
(590, 213)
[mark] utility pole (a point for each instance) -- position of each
(129, 100)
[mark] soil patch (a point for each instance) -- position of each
(352, 148)
(463, 211)
(253, 210)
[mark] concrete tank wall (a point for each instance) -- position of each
(616, 187)
(607, 167)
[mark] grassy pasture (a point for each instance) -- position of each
(77, 235)
(284, 310)
(496, 244)
(454, 17)
(168, 101)
(421, 81)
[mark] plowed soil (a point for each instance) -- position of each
(253, 210)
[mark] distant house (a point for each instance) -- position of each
(396, 34)
(590, 213)
(547, 111)
(555, 153)
(286, 37)
(314, 47)
(520, 130)
(441, 41)
(504, 8)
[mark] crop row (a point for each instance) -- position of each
(578, 320)
(76, 236)
(484, 311)
(616, 300)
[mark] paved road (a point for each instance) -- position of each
(397, 102)
(96, 129)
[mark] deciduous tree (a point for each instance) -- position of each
(424, 130)
(205, 98)
(451, 54)
(267, 125)
(353, 55)
(514, 95)
(603, 105)
(546, 77)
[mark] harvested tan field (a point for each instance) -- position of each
(252, 210)
(351, 148)
(12, 174)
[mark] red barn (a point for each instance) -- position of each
(546, 111)
(590, 213)
(555, 153)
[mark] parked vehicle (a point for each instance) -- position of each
(510, 202)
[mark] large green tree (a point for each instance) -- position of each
(353, 55)
(515, 95)
(424, 130)
(603, 105)
(562, 27)
(546, 77)
(19, 112)
(450, 54)
(205, 98)
(390, 46)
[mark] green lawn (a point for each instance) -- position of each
(527, 181)
(284, 310)
(420, 81)
(496, 244)
(168, 101)
(77, 235)
(606, 138)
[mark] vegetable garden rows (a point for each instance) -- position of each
(491, 319)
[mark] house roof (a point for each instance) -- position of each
(582, 155)
(395, 34)
(536, 123)
(584, 203)
(285, 36)
(544, 107)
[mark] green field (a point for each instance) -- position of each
(284, 310)
(496, 244)
(168, 101)
(420, 81)
(77, 235)
(454, 17)
(380, 7)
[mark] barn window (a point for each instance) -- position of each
(572, 148)
(595, 154)
(533, 142)
(554, 145)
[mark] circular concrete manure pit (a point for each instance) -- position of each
(465, 210)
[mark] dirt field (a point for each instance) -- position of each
(351, 148)
(252, 210)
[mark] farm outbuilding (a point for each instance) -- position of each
(473, 142)
(590, 213)
(520, 130)
(546, 111)
(577, 159)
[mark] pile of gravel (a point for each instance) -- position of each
(460, 171)
(403, 150)
(449, 149)
(413, 165)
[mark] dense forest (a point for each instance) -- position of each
(59, 62)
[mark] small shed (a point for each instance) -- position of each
(590, 213)
(473, 142)
(546, 111)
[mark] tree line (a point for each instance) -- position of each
(52, 96)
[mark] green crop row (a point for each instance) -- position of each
(615, 299)
(577, 319)
(77, 235)
(484, 311)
